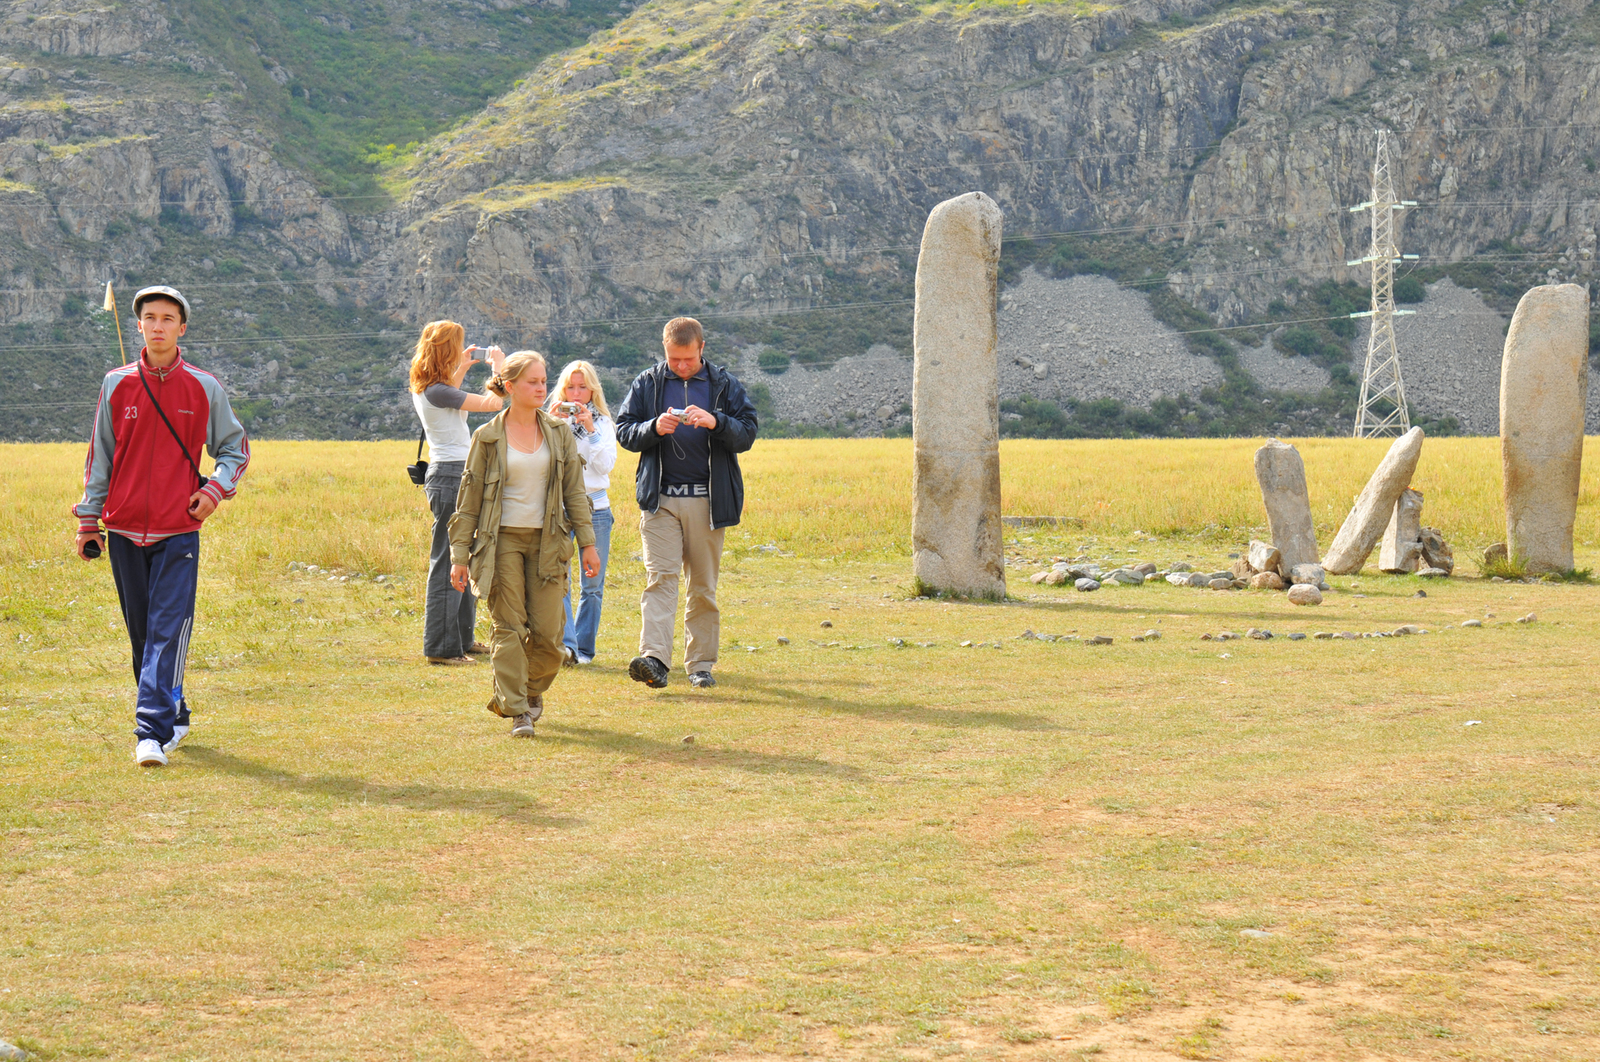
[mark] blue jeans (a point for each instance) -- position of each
(581, 633)
(448, 616)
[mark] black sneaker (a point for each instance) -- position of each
(701, 679)
(648, 670)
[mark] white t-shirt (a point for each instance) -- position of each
(443, 421)
(527, 479)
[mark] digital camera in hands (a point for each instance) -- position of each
(569, 408)
(679, 413)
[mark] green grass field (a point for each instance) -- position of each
(1020, 849)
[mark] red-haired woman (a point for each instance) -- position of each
(438, 367)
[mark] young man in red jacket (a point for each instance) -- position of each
(142, 479)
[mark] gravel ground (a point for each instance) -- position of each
(1277, 371)
(1088, 337)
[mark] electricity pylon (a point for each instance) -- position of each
(1383, 394)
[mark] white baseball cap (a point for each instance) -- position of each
(165, 292)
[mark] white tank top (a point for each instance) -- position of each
(527, 479)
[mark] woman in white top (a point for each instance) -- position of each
(578, 399)
(437, 369)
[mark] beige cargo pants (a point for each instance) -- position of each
(678, 537)
(525, 647)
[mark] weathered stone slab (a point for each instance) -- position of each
(1264, 557)
(1282, 476)
(1436, 552)
(1544, 383)
(955, 480)
(1402, 540)
(1307, 573)
(1375, 505)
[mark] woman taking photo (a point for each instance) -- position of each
(520, 506)
(579, 400)
(437, 369)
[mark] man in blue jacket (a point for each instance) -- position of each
(688, 420)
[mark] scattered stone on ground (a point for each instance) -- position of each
(1266, 581)
(12, 1053)
(956, 538)
(1495, 554)
(1085, 585)
(1322, 635)
(1147, 636)
(1374, 506)
(1472, 623)
(1255, 934)
(688, 739)
(1297, 636)
(782, 640)
(1529, 618)
(1308, 573)
(1420, 593)
(1431, 573)
(827, 623)
(1100, 639)
(1222, 582)
(1544, 387)
(1305, 594)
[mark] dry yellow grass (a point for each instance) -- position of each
(1021, 849)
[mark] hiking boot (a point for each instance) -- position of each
(522, 725)
(648, 670)
(701, 679)
(451, 661)
(535, 706)
(179, 732)
(148, 754)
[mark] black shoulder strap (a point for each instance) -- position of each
(201, 480)
(421, 435)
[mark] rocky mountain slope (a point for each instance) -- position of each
(768, 167)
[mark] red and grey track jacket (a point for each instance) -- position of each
(136, 479)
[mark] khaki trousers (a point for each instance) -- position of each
(678, 536)
(525, 647)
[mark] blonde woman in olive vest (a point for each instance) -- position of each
(521, 504)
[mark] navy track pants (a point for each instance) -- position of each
(156, 585)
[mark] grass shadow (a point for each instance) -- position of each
(683, 755)
(906, 712)
(501, 803)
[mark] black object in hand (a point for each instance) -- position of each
(91, 549)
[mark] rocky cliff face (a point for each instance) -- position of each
(776, 164)
(763, 158)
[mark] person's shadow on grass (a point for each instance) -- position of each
(501, 803)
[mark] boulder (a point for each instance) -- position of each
(1282, 477)
(1402, 541)
(1086, 585)
(1544, 385)
(1224, 583)
(1266, 581)
(1178, 578)
(1307, 573)
(1495, 554)
(955, 477)
(1127, 577)
(1242, 569)
(1264, 557)
(1374, 506)
(1305, 594)
(1145, 568)
(1436, 552)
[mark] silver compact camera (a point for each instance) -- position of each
(568, 407)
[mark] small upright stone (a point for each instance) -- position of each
(1495, 555)
(1282, 476)
(1266, 581)
(1436, 552)
(955, 477)
(1544, 385)
(1373, 508)
(1402, 541)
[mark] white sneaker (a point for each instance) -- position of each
(149, 754)
(178, 734)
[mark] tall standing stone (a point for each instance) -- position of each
(1375, 505)
(1544, 383)
(955, 402)
(1282, 476)
(1402, 540)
